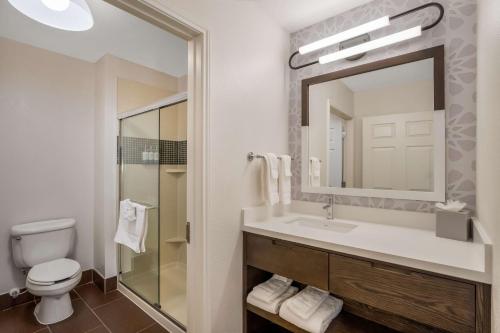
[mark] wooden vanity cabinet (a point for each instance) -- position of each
(302, 264)
(401, 298)
(428, 299)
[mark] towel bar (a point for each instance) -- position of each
(251, 155)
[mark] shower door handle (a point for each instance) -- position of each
(188, 232)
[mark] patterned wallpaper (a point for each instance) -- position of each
(457, 31)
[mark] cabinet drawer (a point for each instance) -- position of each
(299, 263)
(435, 301)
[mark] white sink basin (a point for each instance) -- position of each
(331, 225)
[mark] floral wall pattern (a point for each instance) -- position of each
(457, 31)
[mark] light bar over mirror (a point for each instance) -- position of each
(369, 45)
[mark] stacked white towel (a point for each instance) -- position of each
(285, 176)
(270, 175)
(132, 226)
(271, 294)
(319, 320)
(272, 288)
(274, 305)
(314, 172)
(307, 302)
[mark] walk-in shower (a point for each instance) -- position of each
(153, 171)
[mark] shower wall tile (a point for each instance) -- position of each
(182, 152)
(457, 32)
(171, 152)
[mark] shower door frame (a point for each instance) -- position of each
(157, 106)
(159, 14)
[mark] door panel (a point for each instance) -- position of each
(398, 152)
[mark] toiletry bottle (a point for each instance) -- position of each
(157, 154)
(145, 154)
(151, 154)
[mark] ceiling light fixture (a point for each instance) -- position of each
(57, 5)
(71, 15)
(364, 29)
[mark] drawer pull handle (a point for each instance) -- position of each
(392, 270)
(277, 243)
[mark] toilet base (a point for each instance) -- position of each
(53, 309)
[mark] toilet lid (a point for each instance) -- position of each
(53, 271)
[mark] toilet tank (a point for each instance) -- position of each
(38, 242)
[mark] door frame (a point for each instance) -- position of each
(157, 13)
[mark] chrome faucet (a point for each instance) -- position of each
(329, 208)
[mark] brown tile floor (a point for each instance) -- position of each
(95, 312)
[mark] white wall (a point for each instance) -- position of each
(488, 135)
(46, 142)
(248, 112)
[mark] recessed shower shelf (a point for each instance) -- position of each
(176, 240)
(175, 171)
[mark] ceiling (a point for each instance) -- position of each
(295, 15)
(422, 70)
(115, 32)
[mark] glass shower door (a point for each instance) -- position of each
(139, 144)
(173, 202)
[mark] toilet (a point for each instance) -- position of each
(41, 249)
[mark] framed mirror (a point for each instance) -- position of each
(377, 130)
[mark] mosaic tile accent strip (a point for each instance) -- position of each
(169, 152)
(457, 32)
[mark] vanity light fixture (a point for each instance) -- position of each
(71, 15)
(345, 35)
(372, 45)
(369, 45)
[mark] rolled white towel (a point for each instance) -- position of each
(274, 305)
(307, 302)
(272, 288)
(319, 321)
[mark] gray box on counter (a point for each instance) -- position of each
(453, 225)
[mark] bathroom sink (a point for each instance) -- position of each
(324, 224)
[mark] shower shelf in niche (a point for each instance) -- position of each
(175, 171)
(176, 240)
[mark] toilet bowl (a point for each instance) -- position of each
(53, 281)
(43, 247)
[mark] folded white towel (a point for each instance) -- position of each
(273, 306)
(284, 179)
(307, 302)
(270, 179)
(320, 320)
(132, 233)
(272, 288)
(127, 211)
(314, 171)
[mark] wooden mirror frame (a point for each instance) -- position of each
(436, 53)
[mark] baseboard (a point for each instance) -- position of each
(106, 285)
(6, 301)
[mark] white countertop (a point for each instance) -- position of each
(412, 247)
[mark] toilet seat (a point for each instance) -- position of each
(54, 271)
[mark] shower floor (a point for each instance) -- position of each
(172, 289)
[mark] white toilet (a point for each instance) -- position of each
(43, 246)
